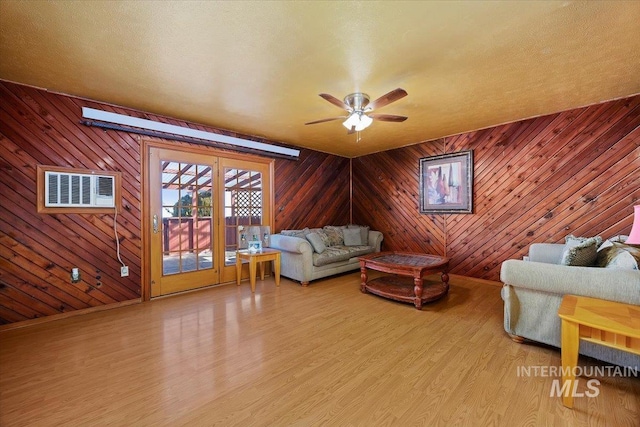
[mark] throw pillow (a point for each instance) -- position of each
(316, 242)
(295, 233)
(580, 251)
(364, 232)
(323, 236)
(606, 244)
(352, 237)
(619, 238)
(335, 235)
(619, 256)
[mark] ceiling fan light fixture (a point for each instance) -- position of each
(357, 121)
(352, 121)
(365, 122)
(358, 104)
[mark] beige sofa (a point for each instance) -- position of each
(301, 262)
(533, 290)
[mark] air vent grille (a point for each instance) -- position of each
(78, 190)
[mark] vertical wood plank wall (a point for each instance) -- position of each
(538, 180)
(37, 251)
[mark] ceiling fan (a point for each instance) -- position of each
(359, 109)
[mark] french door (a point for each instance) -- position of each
(183, 244)
(197, 204)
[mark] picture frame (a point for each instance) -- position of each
(247, 233)
(446, 183)
(255, 246)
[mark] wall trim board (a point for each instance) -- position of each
(198, 136)
(67, 314)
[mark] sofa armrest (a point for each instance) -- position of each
(604, 283)
(296, 260)
(290, 244)
(375, 239)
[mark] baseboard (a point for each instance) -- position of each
(53, 317)
(479, 281)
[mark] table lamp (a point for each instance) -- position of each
(634, 236)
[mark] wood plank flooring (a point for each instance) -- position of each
(321, 355)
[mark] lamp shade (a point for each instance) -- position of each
(352, 121)
(634, 236)
(358, 121)
(365, 121)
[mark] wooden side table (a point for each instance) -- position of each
(254, 258)
(609, 323)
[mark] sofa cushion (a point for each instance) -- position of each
(322, 234)
(340, 253)
(364, 232)
(352, 237)
(336, 238)
(295, 233)
(317, 242)
(619, 256)
(580, 251)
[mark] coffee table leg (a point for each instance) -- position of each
(417, 291)
(363, 279)
(445, 278)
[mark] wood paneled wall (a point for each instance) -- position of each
(37, 251)
(538, 180)
(535, 181)
(312, 192)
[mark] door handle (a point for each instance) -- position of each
(155, 224)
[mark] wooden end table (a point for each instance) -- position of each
(614, 324)
(408, 269)
(254, 258)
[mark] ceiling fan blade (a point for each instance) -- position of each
(388, 117)
(326, 120)
(335, 101)
(387, 99)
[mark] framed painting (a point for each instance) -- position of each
(446, 183)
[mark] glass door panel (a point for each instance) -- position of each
(242, 206)
(246, 202)
(186, 245)
(187, 220)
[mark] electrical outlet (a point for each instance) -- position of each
(75, 275)
(124, 271)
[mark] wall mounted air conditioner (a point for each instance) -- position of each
(79, 190)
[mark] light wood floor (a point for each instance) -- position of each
(323, 355)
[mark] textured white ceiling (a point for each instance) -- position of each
(257, 67)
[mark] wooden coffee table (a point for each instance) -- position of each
(408, 269)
